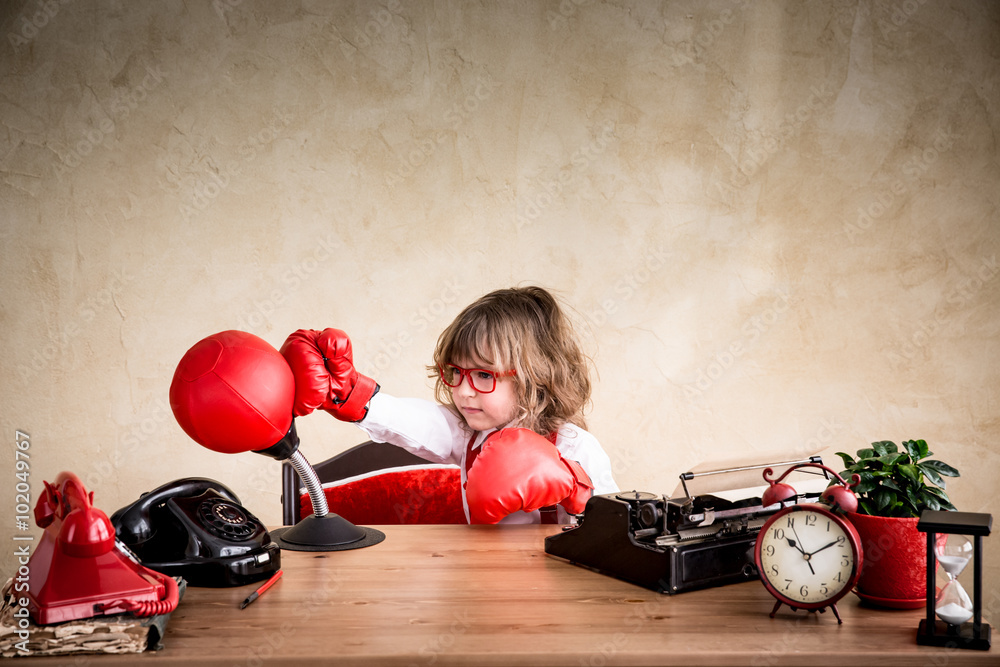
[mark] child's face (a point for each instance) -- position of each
(484, 412)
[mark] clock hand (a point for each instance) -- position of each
(792, 544)
(825, 547)
(804, 554)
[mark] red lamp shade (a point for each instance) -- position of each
(232, 392)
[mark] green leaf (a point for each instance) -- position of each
(870, 466)
(910, 472)
(865, 454)
(905, 510)
(940, 468)
(931, 474)
(867, 483)
(865, 507)
(847, 458)
(890, 460)
(935, 492)
(865, 487)
(917, 448)
(896, 509)
(930, 501)
(850, 470)
(942, 498)
(889, 484)
(883, 447)
(883, 499)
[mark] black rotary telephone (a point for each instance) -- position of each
(196, 528)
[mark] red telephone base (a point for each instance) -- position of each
(70, 586)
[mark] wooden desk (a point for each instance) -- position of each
(487, 595)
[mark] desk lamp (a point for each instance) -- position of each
(232, 392)
(952, 605)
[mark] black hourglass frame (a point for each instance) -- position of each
(932, 632)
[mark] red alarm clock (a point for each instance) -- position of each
(808, 555)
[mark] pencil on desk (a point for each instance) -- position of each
(260, 591)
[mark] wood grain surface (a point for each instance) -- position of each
(488, 595)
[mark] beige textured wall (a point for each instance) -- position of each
(777, 221)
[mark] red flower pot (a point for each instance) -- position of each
(895, 565)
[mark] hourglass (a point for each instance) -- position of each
(952, 605)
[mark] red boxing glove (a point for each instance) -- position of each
(325, 377)
(517, 469)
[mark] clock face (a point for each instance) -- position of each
(807, 556)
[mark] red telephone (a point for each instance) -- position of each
(77, 570)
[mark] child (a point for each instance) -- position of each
(511, 382)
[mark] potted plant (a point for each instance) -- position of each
(895, 486)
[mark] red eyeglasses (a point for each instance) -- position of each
(482, 380)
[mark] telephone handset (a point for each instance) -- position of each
(196, 528)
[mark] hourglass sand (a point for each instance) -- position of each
(952, 604)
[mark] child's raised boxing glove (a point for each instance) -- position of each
(325, 377)
(517, 469)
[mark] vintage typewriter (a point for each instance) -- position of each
(673, 545)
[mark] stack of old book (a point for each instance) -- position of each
(122, 633)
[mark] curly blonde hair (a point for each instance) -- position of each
(521, 328)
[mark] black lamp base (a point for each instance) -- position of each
(955, 636)
(326, 533)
